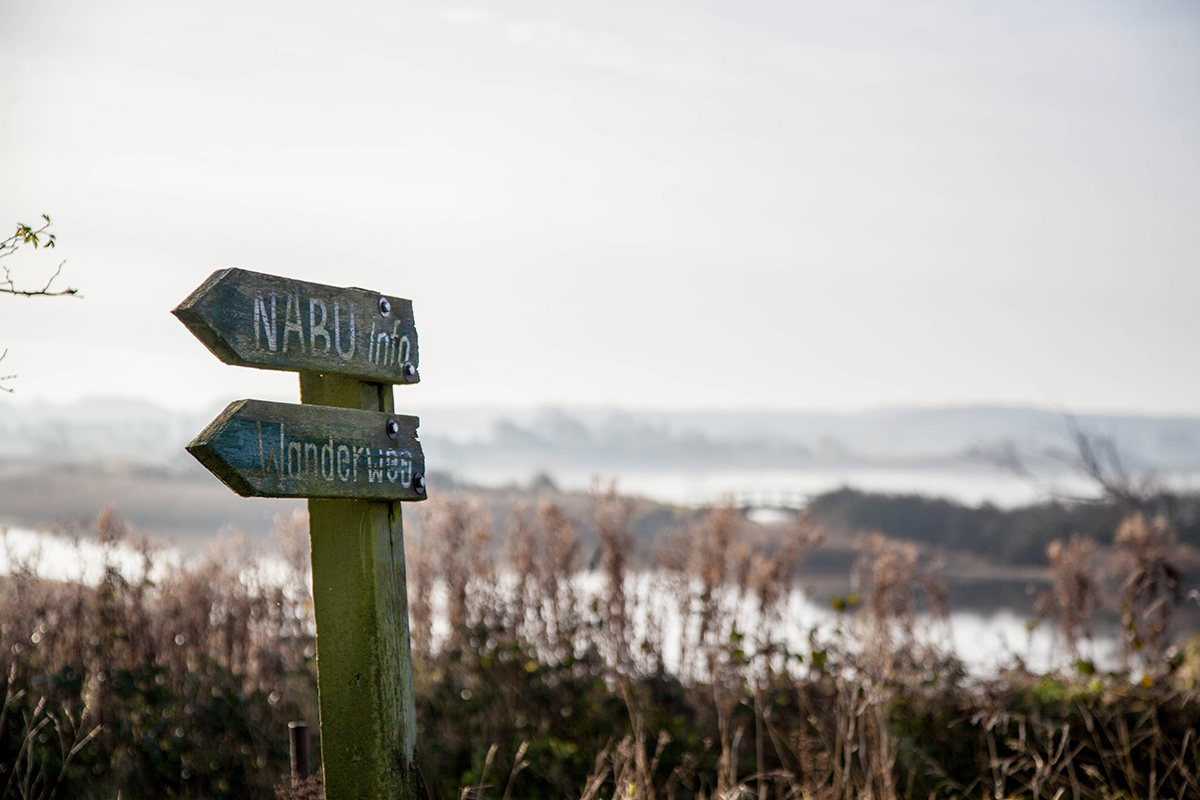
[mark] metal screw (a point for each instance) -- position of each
(393, 428)
(410, 372)
(385, 307)
(419, 483)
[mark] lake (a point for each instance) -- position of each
(984, 641)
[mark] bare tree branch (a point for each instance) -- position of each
(7, 286)
(4, 378)
(35, 237)
(1097, 458)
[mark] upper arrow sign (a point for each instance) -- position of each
(253, 320)
(263, 449)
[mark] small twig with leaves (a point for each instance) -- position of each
(37, 237)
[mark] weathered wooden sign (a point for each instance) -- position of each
(346, 450)
(249, 319)
(262, 449)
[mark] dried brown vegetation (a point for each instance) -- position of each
(673, 674)
(1076, 595)
(158, 679)
(1150, 589)
(876, 708)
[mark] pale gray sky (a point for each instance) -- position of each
(647, 204)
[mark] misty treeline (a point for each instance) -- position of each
(547, 667)
(1025, 535)
(1014, 536)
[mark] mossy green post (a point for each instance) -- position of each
(364, 657)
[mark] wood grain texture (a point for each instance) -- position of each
(249, 319)
(364, 658)
(265, 449)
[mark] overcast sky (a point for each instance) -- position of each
(658, 204)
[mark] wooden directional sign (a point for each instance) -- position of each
(346, 451)
(253, 320)
(262, 449)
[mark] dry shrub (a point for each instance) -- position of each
(1075, 598)
(521, 555)
(883, 656)
(541, 551)
(613, 516)
(731, 583)
(293, 788)
(1151, 590)
(458, 537)
(1045, 737)
(420, 564)
(894, 647)
(161, 679)
(555, 596)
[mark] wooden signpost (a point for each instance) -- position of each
(346, 450)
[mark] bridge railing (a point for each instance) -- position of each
(748, 499)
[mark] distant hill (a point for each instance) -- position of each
(896, 436)
(98, 431)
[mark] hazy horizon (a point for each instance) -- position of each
(17, 399)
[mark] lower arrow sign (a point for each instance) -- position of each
(262, 449)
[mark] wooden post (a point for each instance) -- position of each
(364, 657)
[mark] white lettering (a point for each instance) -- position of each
(327, 450)
(316, 330)
(346, 355)
(295, 466)
(263, 323)
(267, 459)
(401, 344)
(343, 460)
(291, 322)
(385, 342)
(393, 465)
(406, 472)
(374, 475)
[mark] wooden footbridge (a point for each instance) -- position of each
(756, 500)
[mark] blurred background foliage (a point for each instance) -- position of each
(547, 668)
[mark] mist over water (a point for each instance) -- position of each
(793, 487)
(971, 485)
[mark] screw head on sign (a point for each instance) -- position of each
(410, 372)
(393, 428)
(419, 483)
(385, 307)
